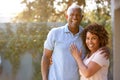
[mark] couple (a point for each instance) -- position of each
(75, 50)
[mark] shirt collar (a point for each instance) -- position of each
(67, 30)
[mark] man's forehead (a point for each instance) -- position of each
(72, 10)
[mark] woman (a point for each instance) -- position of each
(94, 66)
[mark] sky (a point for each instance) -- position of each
(9, 8)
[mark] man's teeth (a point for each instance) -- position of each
(74, 21)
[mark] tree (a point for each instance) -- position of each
(44, 10)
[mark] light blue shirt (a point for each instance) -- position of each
(64, 66)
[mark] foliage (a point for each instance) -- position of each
(44, 10)
(23, 37)
(54, 10)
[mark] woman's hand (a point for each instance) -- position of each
(75, 52)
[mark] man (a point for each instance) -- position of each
(57, 45)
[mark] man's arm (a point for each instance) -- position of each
(106, 51)
(45, 63)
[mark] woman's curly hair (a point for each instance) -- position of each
(98, 30)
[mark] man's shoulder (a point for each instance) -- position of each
(81, 27)
(61, 28)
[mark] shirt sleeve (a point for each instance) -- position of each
(50, 40)
(100, 59)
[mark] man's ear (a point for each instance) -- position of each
(66, 16)
(82, 16)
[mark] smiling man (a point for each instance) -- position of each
(57, 44)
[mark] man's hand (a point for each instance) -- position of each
(105, 51)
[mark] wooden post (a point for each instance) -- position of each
(115, 8)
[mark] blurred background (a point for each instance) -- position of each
(24, 25)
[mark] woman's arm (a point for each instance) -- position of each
(86, 70)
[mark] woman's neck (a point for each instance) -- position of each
(90, 53)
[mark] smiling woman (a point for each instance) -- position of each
(9, 9)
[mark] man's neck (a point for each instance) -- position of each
(74, 30)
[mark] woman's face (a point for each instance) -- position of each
(92, 42)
